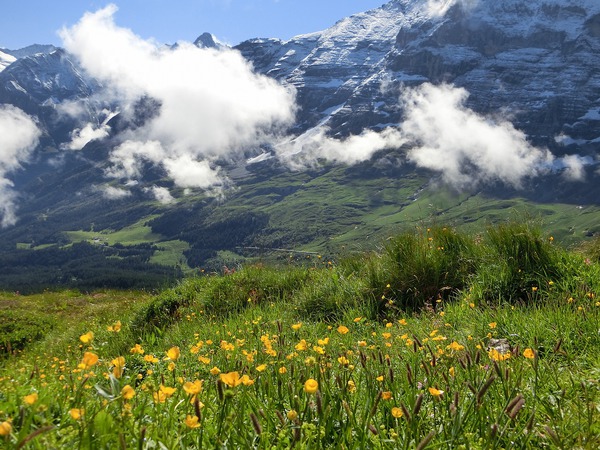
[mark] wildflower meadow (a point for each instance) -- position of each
(438, 340)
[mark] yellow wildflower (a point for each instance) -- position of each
(173, 353)
(151, 359)
(5, 428)
(323, 342)
(87, 337)
(115, 327)
(128, 392)
(497, 356)
(215, 371)
(343, 360)
(231, 379)
(529, 353)
(282, 370)
(31, 398)
(351, 386)
(193, 388)
(203, 359)
(435, 392)
(386, 395)
(76, 413)
(296, 326)
(261, 368)
(89, 360)
(311, 386)
(396, 412)
(492, 325)
(163, 393)
(227, 346)
(246, 380)
(455, 346)
(137, 350)
(342, 329)
(292, 414)
(191, 421)
(302, 345)
(118, 366)
(319, 350)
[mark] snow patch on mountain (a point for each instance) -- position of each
(6, 60)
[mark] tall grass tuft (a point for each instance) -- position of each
(591, 249)
(253, 285)
(517, 261)
(330, 294)
(417, 269)
(165, 308)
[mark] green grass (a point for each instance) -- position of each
(398, 348)
(170, 253)
(137, 233)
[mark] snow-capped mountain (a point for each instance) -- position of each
(536, 61)
(6, 60)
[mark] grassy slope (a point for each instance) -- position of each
(379, 381)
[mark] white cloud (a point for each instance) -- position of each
(161, 194)
(308, 148)
(114, 193)
(466, 148)
(128, 158)
(574, 167)
(80, 137)
(19, 135)
(212, 104)
(188, 173)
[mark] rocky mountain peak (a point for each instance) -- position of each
(207, 40)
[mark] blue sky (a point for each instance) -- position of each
(24, 22)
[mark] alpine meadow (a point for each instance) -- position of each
(381, 235)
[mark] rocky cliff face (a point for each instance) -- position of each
(41, 83)
(535, 61)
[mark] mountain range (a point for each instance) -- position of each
(136, 163)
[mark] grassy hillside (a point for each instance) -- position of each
(327, 209)
(442, 339)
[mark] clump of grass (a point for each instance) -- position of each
(252, 285)
(330, 294)
(165, 308)
(517, 261)
(417, 269)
